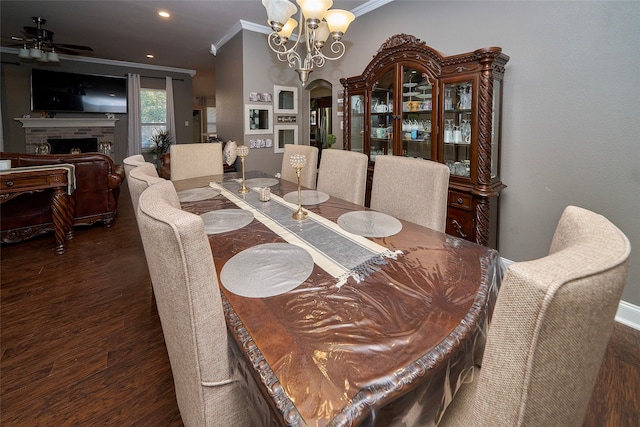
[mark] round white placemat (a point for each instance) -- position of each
(223, 220)
(260, 182)
(267, 270)
(197, 194)
(307, 197)
(369, 223)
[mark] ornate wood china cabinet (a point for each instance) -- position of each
(412, 101)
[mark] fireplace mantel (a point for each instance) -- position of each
(37, 122)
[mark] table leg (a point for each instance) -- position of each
(59, 214)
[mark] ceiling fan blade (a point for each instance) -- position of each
(66, 51)
(72, 46)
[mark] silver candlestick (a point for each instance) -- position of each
(298, 161)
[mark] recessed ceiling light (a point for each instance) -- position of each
(164, 14)
(149, 55)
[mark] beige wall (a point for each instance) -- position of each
(570, 123)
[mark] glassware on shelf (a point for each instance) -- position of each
(466, 131)
(457, 135)
(448, 101)
(448, 131)
(464, 95)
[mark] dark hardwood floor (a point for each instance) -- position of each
(81, 342)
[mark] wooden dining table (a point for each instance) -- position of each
(388, 348)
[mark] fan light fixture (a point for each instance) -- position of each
(317, 23)
(38, 44)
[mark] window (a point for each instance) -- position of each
(153, 114)
(211, 120)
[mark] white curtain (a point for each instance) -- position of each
(134, 116)
(171, 117)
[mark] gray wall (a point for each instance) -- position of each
(261, 70)
(16, 98)
(570, 123)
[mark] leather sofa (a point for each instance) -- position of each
(95, 199)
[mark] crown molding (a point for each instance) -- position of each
(110, 62)
(367, 7)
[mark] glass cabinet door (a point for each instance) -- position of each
(381, 122)
(357, 106)
(457, 131)
(417, 108)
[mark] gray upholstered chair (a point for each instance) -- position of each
(309, 173)
(194, 160)
(550, 329)
(141, 177)
(186, 291)
(343, 174)
(415, 190)
(131, 162)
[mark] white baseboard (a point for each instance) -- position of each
(628, 314)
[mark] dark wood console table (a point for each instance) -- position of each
(27, 180)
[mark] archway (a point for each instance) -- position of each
(320, 113)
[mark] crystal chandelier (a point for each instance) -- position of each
(318, 23)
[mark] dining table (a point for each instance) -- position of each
(347, 317)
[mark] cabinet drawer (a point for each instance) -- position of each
(460, 200)
(9, 183)
(460, 223)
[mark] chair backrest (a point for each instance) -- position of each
(551, 325)
(343, 174)
(131, 162)
(140, 178)
(189, 304)
(415, 190)
(309, 173)
(194, 160)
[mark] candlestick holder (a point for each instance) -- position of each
(298, 161)
(242, 152)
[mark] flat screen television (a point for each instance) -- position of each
(54, 91)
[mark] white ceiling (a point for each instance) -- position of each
(128, 30)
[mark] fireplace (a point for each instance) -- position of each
(65, 145)
(95, 132)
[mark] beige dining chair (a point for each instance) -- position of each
(343, 174)
(309, 173)
(415, 190)
(188, 299)
(131, 162)
(549, 332)
(194, 160)
(140, 178)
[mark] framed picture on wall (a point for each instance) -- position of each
(258, 119)
(284, 134)
(286, 99)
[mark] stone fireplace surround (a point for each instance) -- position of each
(39, 130)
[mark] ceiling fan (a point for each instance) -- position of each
(37, 43)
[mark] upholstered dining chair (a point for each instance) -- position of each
(415, 190)
(309, 173)
(188, 299)
(194, 160)
(140, 178)
(131, 162)
(550, 328)
(343, 174)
